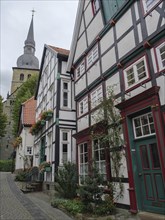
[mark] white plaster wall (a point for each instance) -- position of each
(153, 60)
(36, 153)
(121, 27)
(88, 14)
(68, 115)
(161, 82)
(107, 40)
(93, 73)
(152, 21)
(136, 11)
(81, 47)
(138, 90)
(115, 82)
(81, 27)
(63, 70)
(125, 199)
(139, 29)
(123, 44)
(83, 123)
(108, 59)
(95, 27)
(80, 85)
(86, 3)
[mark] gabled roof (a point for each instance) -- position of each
(75, 34)
(60, 50)
(28, 111)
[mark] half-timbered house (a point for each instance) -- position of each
(122, 42)
(55, 113)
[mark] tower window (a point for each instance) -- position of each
(21, 77)
(29, 75)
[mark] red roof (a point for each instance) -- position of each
(28, 111)
(60, 50)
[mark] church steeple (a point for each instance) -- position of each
(28, 59)
(29, 42)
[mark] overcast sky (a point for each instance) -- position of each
(53, 25)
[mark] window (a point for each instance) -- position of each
(83, 162)
(99, 157)
(160, 52)
(29, 75)
(65, 94)
(136, 73)
(111, 7)
(149, 4)
(95, 6)
(65, 147)
(143, 125)
(92, 56)
(80, 69)
(29, 150)
(83, 106)
(96, 97)
(21, 77)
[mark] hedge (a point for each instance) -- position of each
(6, 165)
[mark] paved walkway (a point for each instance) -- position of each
(14, 205)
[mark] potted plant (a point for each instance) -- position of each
(45, 167)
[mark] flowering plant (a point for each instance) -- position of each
(43, 165)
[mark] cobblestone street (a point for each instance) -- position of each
(14, 205)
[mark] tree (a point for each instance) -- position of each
(66, 180)
(3, 119)
(108, 130)
(25, 92)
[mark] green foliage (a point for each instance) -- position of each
(108, 130)
(72, 206)
(6, 165)
(106, 207)
(92, 189)
(26, 91)
(3, 119)
(66, 180)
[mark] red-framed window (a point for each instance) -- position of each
(95, 6)
(136, 73)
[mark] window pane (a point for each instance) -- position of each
(65, 147)
(65, 99)
(144, 157)
(141, 70)
(145, 130)
(138, 132)
(137, 122)
(154, 155)
(65, 85)
(65, 136)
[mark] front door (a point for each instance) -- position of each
(150, 186)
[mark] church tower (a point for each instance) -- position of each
(27, 65)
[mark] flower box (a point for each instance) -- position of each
(48, 169)
(49, 115)
(43, 122)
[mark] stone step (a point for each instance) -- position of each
(150, 216)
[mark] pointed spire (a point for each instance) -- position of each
(30, 37)
(28, 59)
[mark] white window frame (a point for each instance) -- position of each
(96, 96)
(92, 56)
(67, 91)
(83, 165)
(83, 106)
(158, 56)
(101, 164)
(64, 142)
(135, 73)
(80, 69)
(141, 125)
(29, 149)
(149, 4)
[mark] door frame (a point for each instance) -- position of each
(149, 99)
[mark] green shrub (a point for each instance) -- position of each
(72, 206)
(66, 180)
(21, 176)
(6, 165)
(106, 207)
